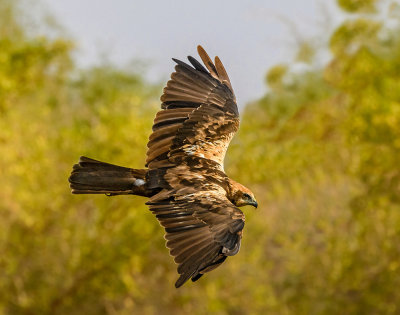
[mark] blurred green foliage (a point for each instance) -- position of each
(320, 151)
(354, 6)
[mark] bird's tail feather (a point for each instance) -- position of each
(94, 177)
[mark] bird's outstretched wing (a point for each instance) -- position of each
(190, 137)
(199, 114)
(202, 226)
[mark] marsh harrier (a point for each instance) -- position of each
(184, 179)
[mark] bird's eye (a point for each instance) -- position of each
(247, 196)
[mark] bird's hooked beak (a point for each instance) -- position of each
(254, 203)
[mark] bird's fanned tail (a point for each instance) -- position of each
(94, 177)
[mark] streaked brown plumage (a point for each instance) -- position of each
(188, 190)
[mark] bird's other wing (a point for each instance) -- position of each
(199, 114)
(202, 226)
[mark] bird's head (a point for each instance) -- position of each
(241, 196)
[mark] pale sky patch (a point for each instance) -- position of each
(248, 36)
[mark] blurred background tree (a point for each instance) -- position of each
(322, 150)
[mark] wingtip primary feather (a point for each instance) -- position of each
(198, 66)
(207, 61)
(201, 51)
(222, 72)
(182, 279)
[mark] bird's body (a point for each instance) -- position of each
(188, 190)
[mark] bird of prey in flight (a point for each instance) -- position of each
(184, 179)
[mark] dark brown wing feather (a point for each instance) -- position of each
(199, 114)
(202, 227)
